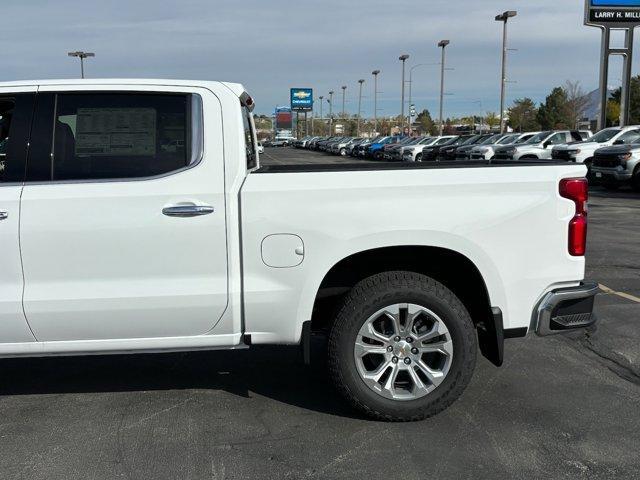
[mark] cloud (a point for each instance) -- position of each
(271, 46)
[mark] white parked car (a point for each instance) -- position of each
(583, 152)
(539, 146)
(413, 153)
(486, 152)
(110, 244)
(260, 147)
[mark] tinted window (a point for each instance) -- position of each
(123, 135)
(15, 122)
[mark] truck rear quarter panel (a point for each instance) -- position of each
(509, 221)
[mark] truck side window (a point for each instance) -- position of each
(629, 137)
(15, 121)
(252, 160)
(557, 139)
(575, 137)
(124, 135)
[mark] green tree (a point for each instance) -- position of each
(555, 112)
(613, 113)
(426, 122)
(492, 119)
(634, 104)
(523, 115)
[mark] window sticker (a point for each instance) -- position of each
(116, 131)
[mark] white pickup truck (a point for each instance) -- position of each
(135, 217)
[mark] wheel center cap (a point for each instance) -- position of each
(402, 349)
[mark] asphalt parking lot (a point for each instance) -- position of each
(562, 407)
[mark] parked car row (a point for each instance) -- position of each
(448, 147)
(612, 156)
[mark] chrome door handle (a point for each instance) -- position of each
(4, 215)
(187, 210)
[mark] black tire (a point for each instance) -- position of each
(419, 157)
(610, 186)
(635, 180)
(378, 155)
(343, 152)
(375, 293)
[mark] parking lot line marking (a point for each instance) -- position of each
(628, 296)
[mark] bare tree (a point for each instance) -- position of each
(577, 101)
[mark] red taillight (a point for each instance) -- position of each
(577, 189)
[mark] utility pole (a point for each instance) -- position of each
(361, 81)
(375, 100)
(344, 89)
(330, 100)
(504, 17)
(442, 44)
(403, 59)
(321, 97)
(81, 55)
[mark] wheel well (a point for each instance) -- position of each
(450, 268)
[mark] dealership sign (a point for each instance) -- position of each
(618, 13)
(301, 99)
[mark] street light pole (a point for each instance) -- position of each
(504, 17)
(344, 90)
(81, 55)
(361, 81)
(403, 59)
(330, 100)
(375, 100)
(321, 97)
(442, 44)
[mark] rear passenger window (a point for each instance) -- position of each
(15, 121)
(124, 135)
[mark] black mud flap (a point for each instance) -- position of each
(491, 337)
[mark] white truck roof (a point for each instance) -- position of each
(236, 88)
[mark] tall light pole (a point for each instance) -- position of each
(375, 100)
(361, 81)
(442, 44)
(344, 90)
(321, 97)
(330, 100)
(504, 17)
(81, 55)
(403, 59)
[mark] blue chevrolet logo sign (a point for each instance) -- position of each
(301, 99)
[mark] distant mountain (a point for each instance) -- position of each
(593, 107)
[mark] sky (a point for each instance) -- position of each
(270, 46)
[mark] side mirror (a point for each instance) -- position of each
(546, 144)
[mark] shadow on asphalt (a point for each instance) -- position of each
(626, 194)
(274, 372)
